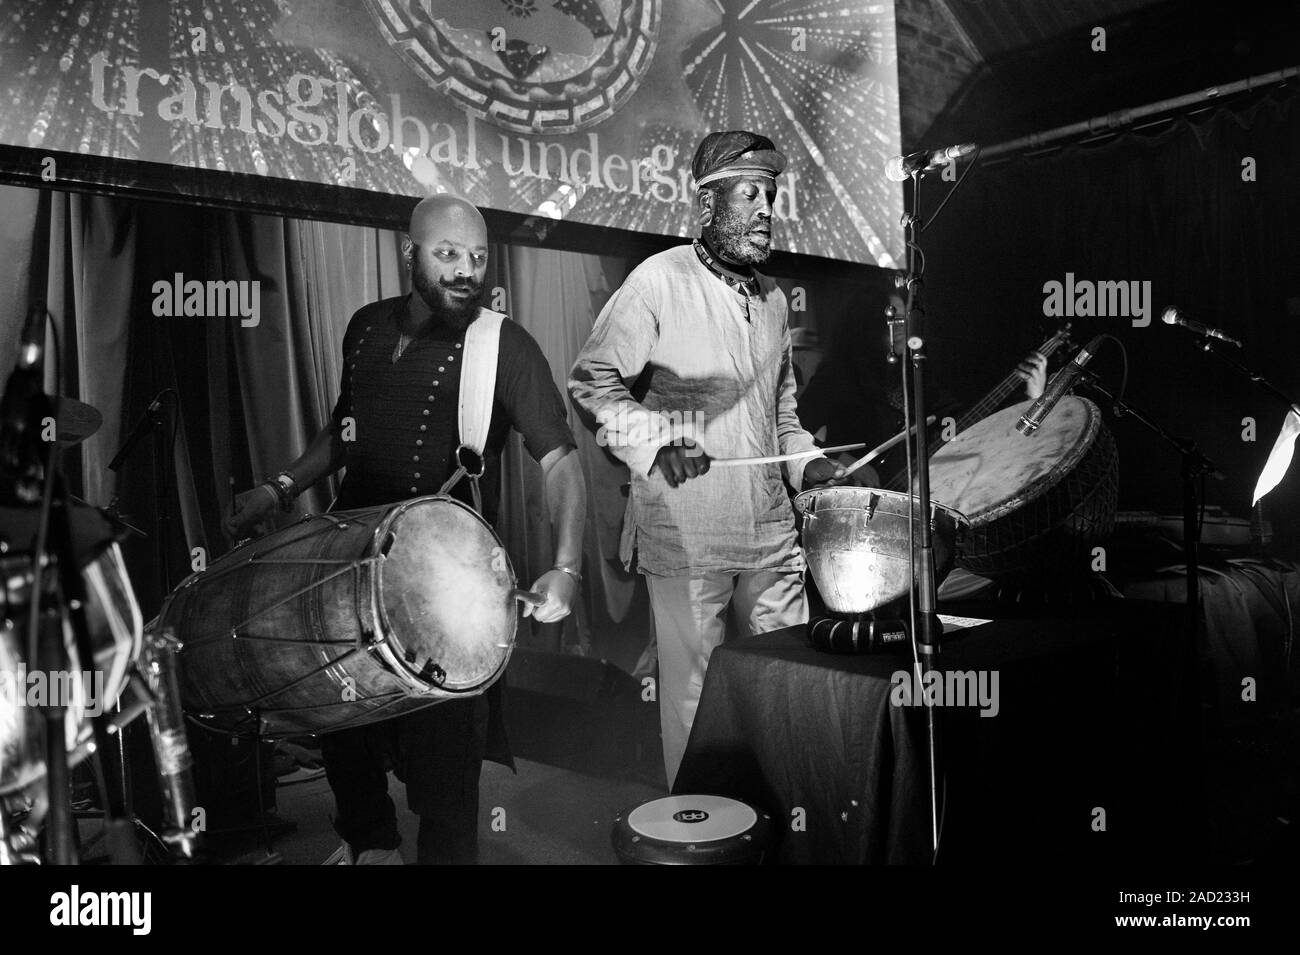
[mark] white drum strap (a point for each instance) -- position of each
(478, 378)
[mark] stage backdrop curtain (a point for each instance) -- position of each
(556, 297)
(314, 276)
(249, 399)
(76, 254)
(25, 280)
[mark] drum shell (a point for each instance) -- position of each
(856, 541)
(292, 633)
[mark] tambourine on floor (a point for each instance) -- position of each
(693, 830)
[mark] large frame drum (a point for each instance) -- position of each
(346, 618)
(1037, 503)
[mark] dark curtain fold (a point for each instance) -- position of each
(90, 261)
(556, 297)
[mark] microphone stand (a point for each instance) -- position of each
(923, 599)
(154, 417)
(1253, 377)
(1209, 345)
(1194, 465)
(46, 626)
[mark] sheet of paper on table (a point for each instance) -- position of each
(951, 623)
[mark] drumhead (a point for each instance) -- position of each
(692, 819)
(991, 468)
(444, 587)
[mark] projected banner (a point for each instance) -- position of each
(587, 110)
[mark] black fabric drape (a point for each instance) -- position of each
(1166, 205)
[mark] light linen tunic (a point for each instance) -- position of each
(708, 362)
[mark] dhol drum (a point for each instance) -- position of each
(1037, 503)
(693, 830)
(856, 541)
(115, 626)
(345, 618)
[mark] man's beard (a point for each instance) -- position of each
(456, 312)
(727, 234)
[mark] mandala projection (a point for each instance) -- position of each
(534, 66)
(822, 76)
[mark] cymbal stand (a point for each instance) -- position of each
(151, 423)
(46, 627)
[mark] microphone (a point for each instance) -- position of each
(171, 747)
(899, 168)
(1061, 382)
(1172, 316)
(143, 425)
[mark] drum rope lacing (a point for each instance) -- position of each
(246, 708)
(234, 630)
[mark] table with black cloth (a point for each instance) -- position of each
(1088, 758)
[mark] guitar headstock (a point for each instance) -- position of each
(1059, 340)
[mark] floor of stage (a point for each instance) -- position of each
(544, 816)
(556, 816)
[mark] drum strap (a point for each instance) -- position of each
(478, 378)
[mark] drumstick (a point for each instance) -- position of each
(881, 449)
(778, 458)
(528, 596)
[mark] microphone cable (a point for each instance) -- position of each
(957, 185)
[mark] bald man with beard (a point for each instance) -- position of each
(401, 375)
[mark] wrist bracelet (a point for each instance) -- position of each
(577, 577)
(286, 489)
(276, 493)
(282, 497)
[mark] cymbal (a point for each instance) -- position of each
(75, 421)
(122, 527)
(114, 516)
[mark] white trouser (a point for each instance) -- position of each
(690, 619)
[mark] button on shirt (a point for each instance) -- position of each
(403, 412)
(678, 351)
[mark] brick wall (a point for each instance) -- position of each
(934, 59)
